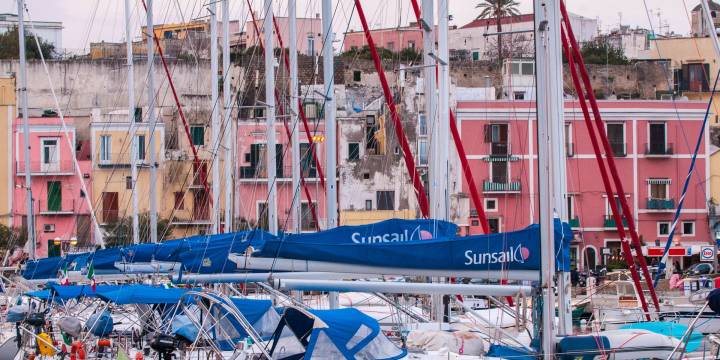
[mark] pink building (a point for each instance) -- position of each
(251, 183)
(309, 34)
(394, 39)
(653, 143)
(62, 218)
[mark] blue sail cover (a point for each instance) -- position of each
(48, 268)
(209, 255)
(143, 294)
(517, 250)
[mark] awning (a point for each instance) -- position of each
(658, 181)
(658, 251)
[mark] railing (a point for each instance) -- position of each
(658, 149)
(285, 172)
(492, 186)
(610, 222)
(574, 222)
(499, 149)
(660, 204)
(61, 207)
(121, 159)
(40, 167)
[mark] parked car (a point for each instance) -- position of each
(699, 269)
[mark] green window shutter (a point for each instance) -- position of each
(198, 135)
(54, 201)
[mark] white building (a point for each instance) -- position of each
(478, 37)
(634, 43)
(50, 31)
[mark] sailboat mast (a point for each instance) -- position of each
(26, 132)
(442, 139)
(431, 121)
(214, 117)
(270, 117)
(152, 121)
(329, 110)
(549, 110)
(294, 111)
(227, 106)
(131, 122)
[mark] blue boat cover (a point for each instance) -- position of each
(48, 268)
(40, 294)
(142, 294)
(582, 347)
(100, 324)
(252, 309)
(183, 327)
(517, 250)
(670, 329)
(713, 300)
(209, 255)
(67, 292)
(510, 352)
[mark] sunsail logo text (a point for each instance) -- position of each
(517, 254)
(406, 235)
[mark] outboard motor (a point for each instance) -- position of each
(165, 345)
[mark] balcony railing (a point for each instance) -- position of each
(259, 173)
(121, 160)
(574, 222)
(41, 168)
(610, 223)
(658, 149)
(59, 207)
(660, 204)
(504, 186)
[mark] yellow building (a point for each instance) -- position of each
(178, 30)
(112, 182)
(364, 217)
(7, 114)
(715, 174)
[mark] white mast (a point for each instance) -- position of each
(443, 126)
(329, 108)
(133, 129)
(152, 121)
(26, 132)
(431, 121)
(549, 115)
(330, 130)
(227, 102)
(214, 119)
(294, 110)
(270, 117)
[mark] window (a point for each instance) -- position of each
(307, 162)
(476, 56)
(128, 183)
(199, 174)
(411, 44)
(353, 151)
(105, 145)
(307, 222)
(656, 143)
(490, 204)
(366, 176)
(357, 75)
(663, 228)
(659, 190)
(570, 206)
(519, 95)
(141, 147)
(497, 136)
(499, 172)
(54, 196)
(616, 136)
(693, 77)
(515, 68)
(311, 44)
(391, 46)
(109, 207)
(494, 224)
(179, 200)
(372, 145)
(474, 223)
(138, 114)
(688, 228)
(259, 112)
(50, 154)
(385, 200)
(310, 109)
(608, 209)
(368, 205)
(422, 152)
(422, 124)
(262, 216)
(528, 69)
(198, 135)
(569, 146)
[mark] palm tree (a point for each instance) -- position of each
(498, 9)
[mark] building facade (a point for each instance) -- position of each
(309, 34)
(8, 111)
(50, 31)
(60, 206)
(393, 39)
(653, 142)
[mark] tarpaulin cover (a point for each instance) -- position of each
(252, 309)
(713, 300)
(67, 292)
(670, 329)
(583, 347)
(17, 313)
(143, 294)
(100, 324)
(40, 294)
(517, 250)
(209, 255)
(510, 352)
(103, 260)
(182, 326)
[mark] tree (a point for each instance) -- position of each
(10, 48)
(519, 47)
(119, 233)
(600, 51)
(498, 9)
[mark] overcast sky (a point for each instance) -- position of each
(87, 21)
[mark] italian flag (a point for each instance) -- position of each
(91, 276)
(65, 279)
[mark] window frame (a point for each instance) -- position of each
(682, 227)
(487, 208)
(624, 136)
(105, 152)
(659, 224)
(193, 134)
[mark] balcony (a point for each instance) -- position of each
(57, 207)
(284, 174)
(574, 222)
(661, 204)
(40, 168)
(116, 160)
(609, 222)
(658, 150)
(501, 186)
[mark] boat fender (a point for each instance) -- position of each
(44, 344)
(138, 355)
(77, 351)
(104, 343)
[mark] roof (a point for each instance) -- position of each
(713, 6)
(504, 20)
